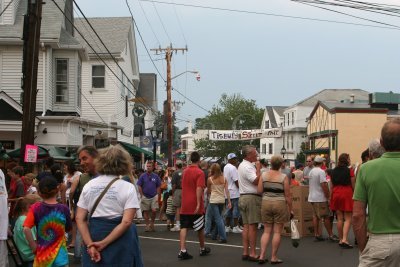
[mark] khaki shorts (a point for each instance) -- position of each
(149, 203)
(176, 202)
(320, 209)
(274, 211)
(382, 250)
(250, 208)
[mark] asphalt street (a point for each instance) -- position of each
(161, 248)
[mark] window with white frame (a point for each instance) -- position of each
(61, 80)
(270, 148)
(98, 77)
(267, 124)
(264, 148)
(292, 118)
(291, 141)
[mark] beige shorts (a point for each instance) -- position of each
(382, 250)
(320, 209)
(149, 203)
(250, 208)
(274, 211)
(176, 202)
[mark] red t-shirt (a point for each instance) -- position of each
(192, 178)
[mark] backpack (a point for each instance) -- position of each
(84, 178)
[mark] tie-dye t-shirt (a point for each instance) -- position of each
(51, 221)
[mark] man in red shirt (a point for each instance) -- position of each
(192, 209)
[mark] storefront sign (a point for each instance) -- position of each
(31, 153)
(237, 135)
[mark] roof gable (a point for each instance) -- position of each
(332, 95)
(52, 22)
(114, 32)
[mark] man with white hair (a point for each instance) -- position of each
(249, 201)
(376, 150)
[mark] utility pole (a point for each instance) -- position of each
(31, 37)
(168, 56)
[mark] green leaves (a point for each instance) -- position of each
(233, 112)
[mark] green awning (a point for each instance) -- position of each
(317, 151)
(46, 151)
(58, 153)
(135, 150)
(17, 153)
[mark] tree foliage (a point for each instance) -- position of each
(232, 112)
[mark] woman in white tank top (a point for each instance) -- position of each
(217, 188)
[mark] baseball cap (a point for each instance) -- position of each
(231, 156)
(319, 159)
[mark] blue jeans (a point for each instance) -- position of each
(233, 212)
(78, 246)
(216, 216)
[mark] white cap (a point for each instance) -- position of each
(231, 156)
(319, 159)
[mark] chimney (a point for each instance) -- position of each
(352, 98)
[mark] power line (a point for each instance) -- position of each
(162, 23)
(271, 14)
(179, 23)
(148, 53)
(349, 15)
(101, 59)
(148, 22)
(144, 44)
(4, 10)
(190, 100)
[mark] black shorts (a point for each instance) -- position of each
(195, 221)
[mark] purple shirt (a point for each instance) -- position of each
(149, 184)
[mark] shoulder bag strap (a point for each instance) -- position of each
(102, 195)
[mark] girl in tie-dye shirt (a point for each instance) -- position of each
(52, 220)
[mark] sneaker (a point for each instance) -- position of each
(205, 251)
(222, 241)
(184, 255)
(237, 230)
(228, 229)
(176, 228)
(333, 238)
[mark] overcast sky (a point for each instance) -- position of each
(274, 60)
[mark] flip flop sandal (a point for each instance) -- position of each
(253, 259)
(245, 257)
(277, 262)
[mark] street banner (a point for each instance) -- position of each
(238, 135)
(31, 153)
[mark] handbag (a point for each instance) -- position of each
(102, 195)
(295, 235)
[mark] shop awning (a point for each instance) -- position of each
(42, 153)
(135, 150)
(46, 151)
(317, 151)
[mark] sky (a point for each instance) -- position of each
(274, 60)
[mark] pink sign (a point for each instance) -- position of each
(31, 153)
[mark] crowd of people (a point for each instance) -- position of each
(92, 207)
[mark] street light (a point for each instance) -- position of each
(155, 134)
(283, 151)
(190, 71)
